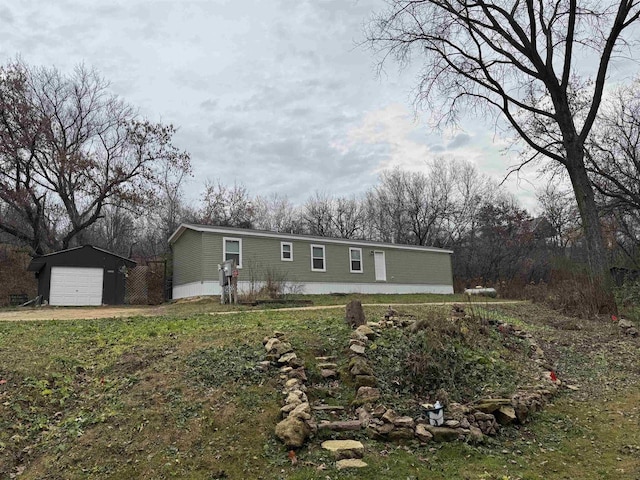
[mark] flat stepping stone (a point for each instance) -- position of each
(327, 408)
(350, 463)
(327, 365)
(344, 448)
(340, 426)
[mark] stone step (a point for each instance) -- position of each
(340, 426)
(327, 408)
(350, 463)
(344, 448)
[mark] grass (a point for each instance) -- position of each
(176, 396)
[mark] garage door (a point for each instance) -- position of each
(76, 286)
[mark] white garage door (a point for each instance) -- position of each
(76, 286)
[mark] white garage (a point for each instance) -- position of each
(76, 286)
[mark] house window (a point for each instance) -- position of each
(232, 249)
(355, 260)
(317, 258)
(286, 251)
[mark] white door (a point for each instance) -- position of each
(76, 286)
(380, 267)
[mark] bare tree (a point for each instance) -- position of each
(518, 60)
(276, 213)
(226, 206)
(68, 149)
(559, 208)
(348, 217)
(317, 215)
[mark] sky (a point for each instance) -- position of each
(276, 95)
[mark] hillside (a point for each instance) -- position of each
(179, 395)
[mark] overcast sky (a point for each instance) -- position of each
(273, 94)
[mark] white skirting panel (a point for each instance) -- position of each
(196, 289)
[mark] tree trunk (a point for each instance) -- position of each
(602, 297)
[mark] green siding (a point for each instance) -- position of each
(187, 253)
(197, 256)
(411, 266)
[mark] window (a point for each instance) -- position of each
(232, 249)
(355, 260)
(317, 258)
(286, 251)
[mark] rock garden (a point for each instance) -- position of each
(460, 377)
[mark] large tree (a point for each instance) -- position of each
(69, 148)
(527, 61)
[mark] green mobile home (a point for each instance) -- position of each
(309, 264)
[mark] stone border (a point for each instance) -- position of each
(471, 422)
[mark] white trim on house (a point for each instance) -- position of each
(351, 260)
(324, 258)
(282, 257)
(290, 236)
(224, 249)
(196, 289)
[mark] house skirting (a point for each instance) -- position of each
(196, 289)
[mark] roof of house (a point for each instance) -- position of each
(40, 261)
(294, 236)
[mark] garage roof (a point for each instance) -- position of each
(40, 261)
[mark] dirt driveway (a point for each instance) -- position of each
(87, 313)
(77, 313)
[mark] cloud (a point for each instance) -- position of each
(459, 140)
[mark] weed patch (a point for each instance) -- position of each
(216, 366)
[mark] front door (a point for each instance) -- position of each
(380, 266)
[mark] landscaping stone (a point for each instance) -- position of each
(327, 408)
(344, 448)
(264, 366)
(287, 357)
(293, 398)
(280, 348)
(367, 395)
(385, 428)
(298, 373)
(325, 359)
(327, 374)
(366, 331)
(302, 411)
(341, 426)
(452, 423)
(271, 343)
(378, 411)
(365, 381)
(400, 434)
(359, 349)
(443, 434)
(475, 435)
(505, 415)
(359, 366)
(423, 434)
(389, 416)
(286, 369)
(404, 422)
(350, 463)
(293, 432)
(354, 314)
(490, 405)
(364, 417)
(327, 365)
